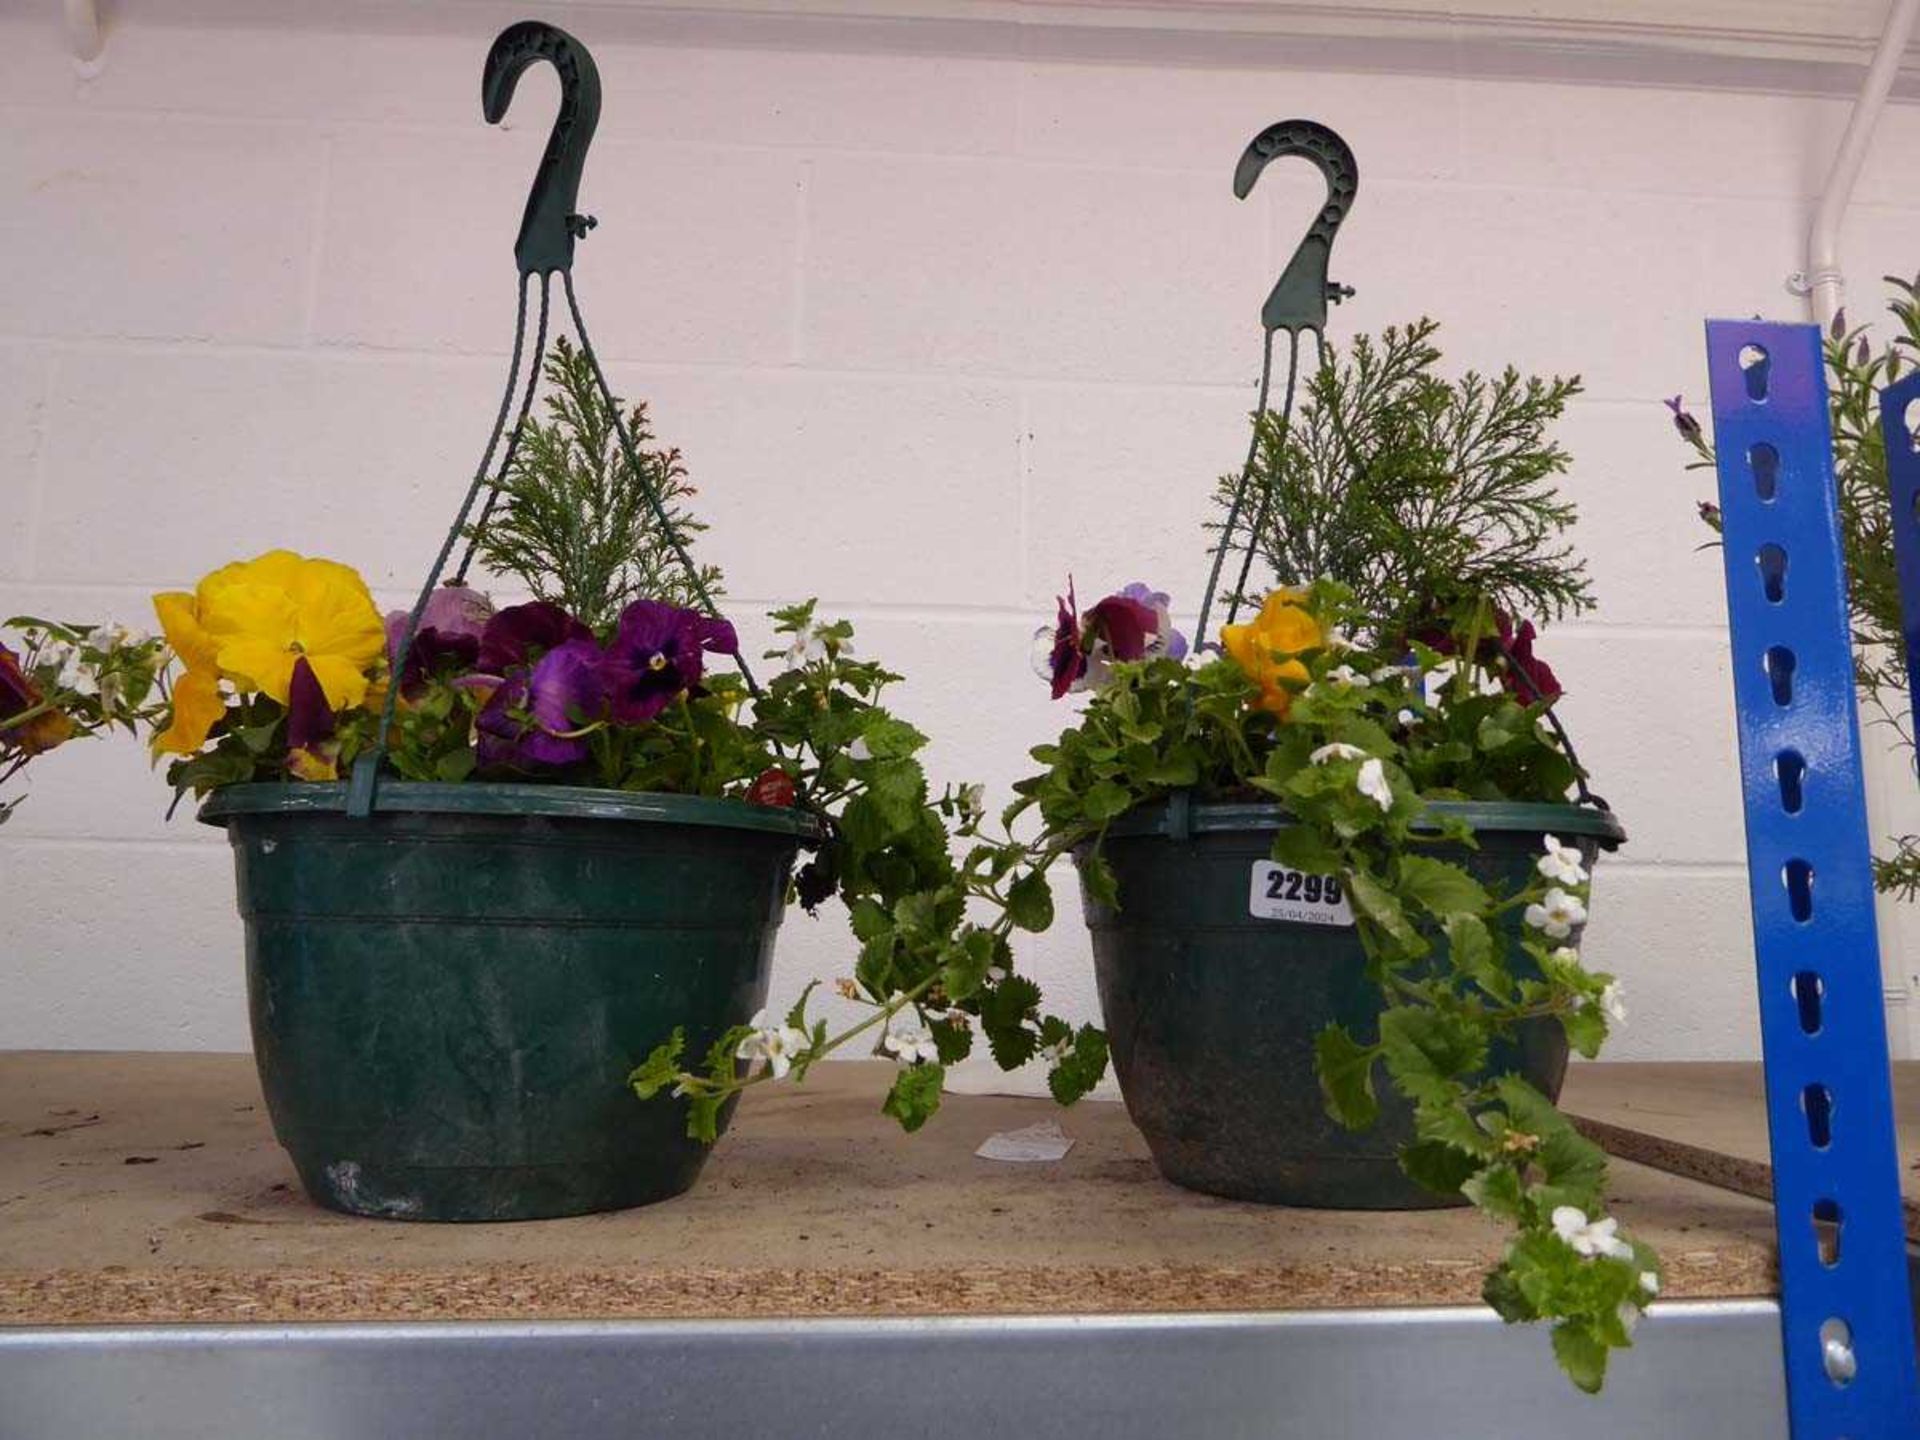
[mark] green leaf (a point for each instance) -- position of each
(703, 1118)
(1497, 1191)
(868, 920)
(1346, 1077)
(1505, 1297)
(455, 766)
(797, 1016)
(1437, 1167)
(1097, 875)
(1470, 947)
(1574, 1167)
(1105, 800)
(1003, 1013)
(915, 1095)
(1030, 901)
(1439, 888)
(1302, 847)
(897, 789)
(1586, 1029)
(661, 1068)
(1080, 1069)
(1581, 1354)
(1173, 772)
(891, 739)
(1381, 906)
(968, 961)
(1427, 1052)
(955, 1040)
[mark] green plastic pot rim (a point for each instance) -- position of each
(562, 802)
(1483, 815)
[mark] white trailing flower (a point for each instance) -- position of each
(1612, 1004)
(1347, 675)
(1336, 751)
(1650, 1282)
(1372, 783)
(910, 1045)
(1409, 718)
(1056, 1052)
(1557, 913)
(74, 674)
(1561, 864)
(775, 1044)
(973, 801)
(807, 647)
(1391, 674)
(1590, 1237)
(1629, 1316)
(1336, 641)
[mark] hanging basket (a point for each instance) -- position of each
(450, 983)
(447, 996)
(1212, 998)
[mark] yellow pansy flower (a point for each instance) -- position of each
(1263, 647)
(197, 705)
(248, 623)
(266, 613)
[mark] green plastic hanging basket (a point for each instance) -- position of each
(1212, 1000)
(447, 995)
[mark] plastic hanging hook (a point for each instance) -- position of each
(552, 222)
(1299, 299)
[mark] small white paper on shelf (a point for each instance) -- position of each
(1045, 1141)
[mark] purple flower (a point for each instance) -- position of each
(448, 637)
(18, 695)
(1168, 640)
(1131, 624)
(657, 652)
(312, 752)
(529, 721)
(310, 720)
(521, 634)
(1688, 427)
(1068, 661)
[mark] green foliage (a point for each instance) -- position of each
(62, 681)
(1413, 490)
(1456, 982)
(915, 1095)
(576, 523)
(1857, 371)
(927, 967)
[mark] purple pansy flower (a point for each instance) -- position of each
(448, 637)
(521, 634)
(312, 753)
(527, 723)
(657, 652)
(1067, 661)
(1131, 624)
(1169, 641)
(310, 720)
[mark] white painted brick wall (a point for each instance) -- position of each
(931, 329)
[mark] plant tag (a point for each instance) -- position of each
(1280, 893)
(1042, 1142)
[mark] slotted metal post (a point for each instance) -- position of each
(1846, 1314)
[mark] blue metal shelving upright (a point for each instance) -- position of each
(1846, 1312)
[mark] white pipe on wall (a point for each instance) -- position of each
(83, 30)
(1822, 281)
